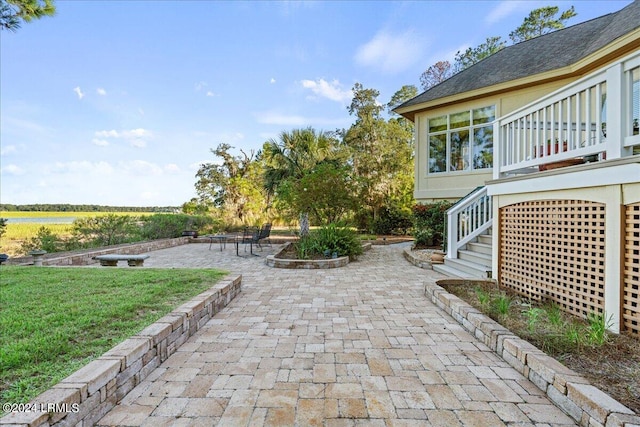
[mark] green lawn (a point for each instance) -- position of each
(55, 320)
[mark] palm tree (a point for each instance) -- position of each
(294, 154)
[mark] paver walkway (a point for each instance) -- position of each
(359, 345)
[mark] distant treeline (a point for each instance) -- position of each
(84, 208)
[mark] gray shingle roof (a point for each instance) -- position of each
(545, 53)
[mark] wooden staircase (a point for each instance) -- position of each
(474, 259)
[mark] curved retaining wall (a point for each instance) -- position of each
(586, 404)
(418, 262)
(309, 264)
(88, 394)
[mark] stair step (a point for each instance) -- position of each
(450, 271)
(471, 268)
(487, 239)
(475, 257)
(482, 248)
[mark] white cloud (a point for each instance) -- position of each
(209, 93)
(504, 9)
(83, 167)
(100, 91)
(200, 85)
(12, 170)
(100, 142)
(391, 53)
(78, 92)
(140, 168)
(7, 150)
(135, 137)
(331, 90)
(272, 81)
(172, 168)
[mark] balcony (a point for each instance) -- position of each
(592, 119)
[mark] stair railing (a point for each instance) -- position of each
(467, 219)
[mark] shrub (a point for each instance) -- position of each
(431, 216)
(45, 239)
(105, 230)
(339, 240)
(392, 220)
(423, 237)
(329, 240)
(166, 226)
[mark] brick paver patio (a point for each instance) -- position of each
(359, 345)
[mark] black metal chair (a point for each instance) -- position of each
(250, 236)
(265, 232)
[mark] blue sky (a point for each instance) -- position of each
(119, 102)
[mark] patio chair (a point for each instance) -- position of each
(265, 232)
(250, 236)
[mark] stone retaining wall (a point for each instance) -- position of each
(273, 261)
(88, 394)
(415, 260)
(586, 404)
(86, 257)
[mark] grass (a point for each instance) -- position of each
(56, 320)
(50, 214)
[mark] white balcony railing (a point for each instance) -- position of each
(467, 219)
(591, 119)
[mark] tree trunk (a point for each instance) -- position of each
(304, 224)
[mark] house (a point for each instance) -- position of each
(540, 145)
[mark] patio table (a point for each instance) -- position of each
(222, 239)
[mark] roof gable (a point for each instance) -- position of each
(545, 53)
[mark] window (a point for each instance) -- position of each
(461, 141)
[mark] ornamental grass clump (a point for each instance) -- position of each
(328, 242)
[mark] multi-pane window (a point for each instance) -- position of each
(461, 141)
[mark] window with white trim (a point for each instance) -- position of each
(461, 141)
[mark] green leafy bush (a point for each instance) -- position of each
(105, 230)
(431, 216)
(166, 226)
(45, 239)
(423, 237)
(329, 240)
(392, 220)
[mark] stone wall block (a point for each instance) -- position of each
(564, 403)
(131, 349)
(96, 374)
(622, 420)
(595, 402)
(156, 331)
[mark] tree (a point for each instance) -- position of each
(291, 157)
(435, 74)
(474, 55)
(13, 12)
(232, 187)
(381, 155)
(325, 192)
(541, 21)
(405, 93)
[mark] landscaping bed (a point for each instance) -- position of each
(610, 362)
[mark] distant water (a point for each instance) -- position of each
(43, 220)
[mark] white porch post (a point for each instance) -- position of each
(616, 116)
(452, 236)
(613, 279)
(497, 148)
